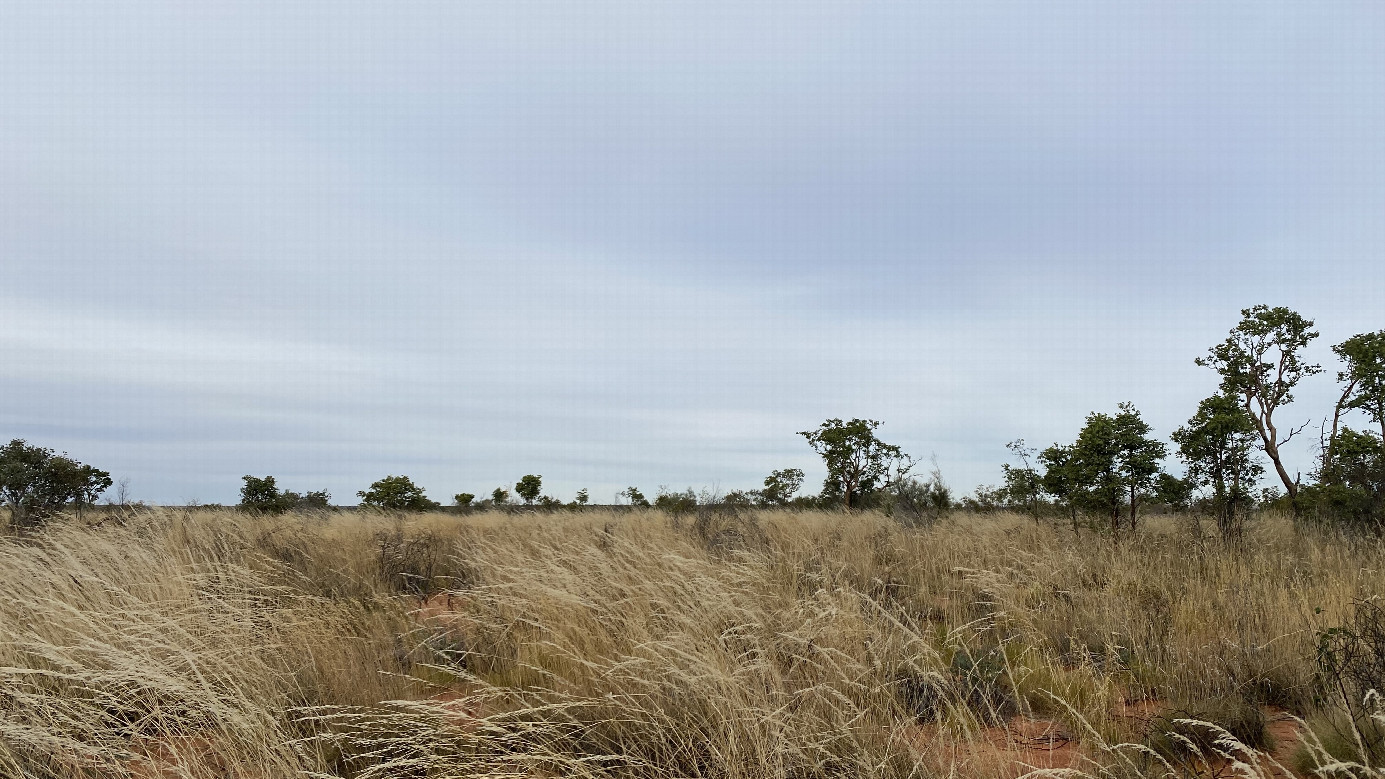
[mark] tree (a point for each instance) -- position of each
(858, 463)
(1364, 380)
(582, 497)
(1061, 478)
(463, 499)
(636, 497)
(396, 493)
(262, 495)
(1022, 485)
(529, 487)
(1137, 456)
(1218, 448)
(1260, 363)
(1097, 467)
(780, 486)
(500, 496)
(36, 483)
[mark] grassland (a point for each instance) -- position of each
(200, 643)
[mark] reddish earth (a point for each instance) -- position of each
(1023, 745)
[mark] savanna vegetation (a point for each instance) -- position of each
(1121, 606)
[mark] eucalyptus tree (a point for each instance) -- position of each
(1260, 362)
(858, 463)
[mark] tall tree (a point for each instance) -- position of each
(1260, 363)
(1137, 456)
(857, 462)
(1363, 380)
(1218, 448)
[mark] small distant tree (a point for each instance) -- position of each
(528, 488)
(780, 486)
(1174, 492)
(582, 497)
(396, 493)
(500, 496)
(316, 500)
(463, 499)
(1137, 456)
(675, 503)
(262, 495)
(858, 463)
(635, 497)
(1260, 363)
(1218, 447)
(36, 483)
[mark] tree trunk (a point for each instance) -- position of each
(1268, 434)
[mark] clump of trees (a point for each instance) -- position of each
(262, 495)
(36, 483)
(1114, 465)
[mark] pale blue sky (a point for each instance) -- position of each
(643, 243)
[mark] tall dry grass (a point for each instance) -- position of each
(208, 643)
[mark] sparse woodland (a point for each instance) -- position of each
(1095, 616)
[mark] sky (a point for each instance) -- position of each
(644, 243)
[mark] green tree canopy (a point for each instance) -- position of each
(858, 463)
(529, 487)
(1218, 448)
(780, 486)
(1260, 363)
(36, 483)
(396, 493)
(1364, 377)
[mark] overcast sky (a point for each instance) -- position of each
(644, 243)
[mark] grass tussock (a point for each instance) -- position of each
(717, 644)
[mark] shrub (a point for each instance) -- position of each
(676, 503)
(396, 493)
(36, 483)
(636, 497)
(463, 499)
(263, 496)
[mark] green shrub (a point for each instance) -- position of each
(396, 493)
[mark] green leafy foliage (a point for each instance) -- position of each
(1218, 447)
(36, 483)
(1364, 376)
(463, 499)
(262, 495)
(500, 496)
(582, 497)
(780, 486)
(528, 488)
(396, 493)
(635, 497)
(676, 503)
(1260, 363)
(858, 463)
